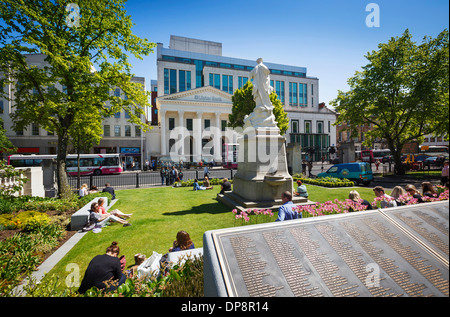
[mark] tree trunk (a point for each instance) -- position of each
(62, 181)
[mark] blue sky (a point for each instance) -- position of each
(329, 37)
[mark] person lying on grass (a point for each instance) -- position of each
(102, 219)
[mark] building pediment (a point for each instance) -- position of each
(202, 95)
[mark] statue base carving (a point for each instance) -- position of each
(262, 171)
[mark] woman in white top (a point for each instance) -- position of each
(83, 190)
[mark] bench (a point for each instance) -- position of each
(81, 216)
(179, 257)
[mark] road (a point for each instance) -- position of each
(133, 179)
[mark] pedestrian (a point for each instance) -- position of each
(162, 174)
(444, 174)
(377, 163)
(104, 268)
(205, 170)
(310, 165)
(304, 167)
(287, 210)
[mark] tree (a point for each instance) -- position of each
(402, 93)
(86, 56)
(243, 104)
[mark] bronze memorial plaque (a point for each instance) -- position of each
(392, 252)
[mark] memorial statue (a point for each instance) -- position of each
(262, 115)
(261, 85)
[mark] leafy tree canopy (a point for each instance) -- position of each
(402, 93)
(86, 56)
(243, 104)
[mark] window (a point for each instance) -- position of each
(207, 123)
(117, 92)
(137, 130)
(303, 94)
(182, 76)
(128, 130)
(34, 129)
(307, 126)
(117, 130)
(170, 81)
(294, 126)
(185, 80)
(171, 123)
(117, 115)
(127, 115)
(217, 81)
(166, 81)
(189, 124)
(279, 89)
(242, 81)
(320, 127)
(173, 81)
(293, 94)
(224, 125)
(227, 83)
(106, 130)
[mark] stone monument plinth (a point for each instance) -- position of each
(262, 166)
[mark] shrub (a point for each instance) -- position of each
(326, 181)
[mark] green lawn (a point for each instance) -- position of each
(159, 213)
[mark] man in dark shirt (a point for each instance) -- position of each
(226, 186)
(109, 189)
(102, 268)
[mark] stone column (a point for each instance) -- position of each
(218, 140)
(162, 114)
(182, 136)
(198, 137)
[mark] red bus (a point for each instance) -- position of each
(96, 164)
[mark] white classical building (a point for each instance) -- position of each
(194, 73)
(193, 124)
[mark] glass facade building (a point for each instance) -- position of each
(201, 64)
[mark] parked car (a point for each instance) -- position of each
(433, 161)
(359, 173)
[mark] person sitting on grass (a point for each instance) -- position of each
(301, 190)
(103, 268)
(428, 190)
(198, 187)
(206, 183)
(225, 187)
(354, 195)
(183, 242)
(287, 211)
(397, 192)
(101, 220)
(115, 212)
(412, 190)
(386, 201)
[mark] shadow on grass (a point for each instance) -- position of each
(212, 208)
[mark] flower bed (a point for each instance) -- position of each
(255, 216)
(326, 181)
